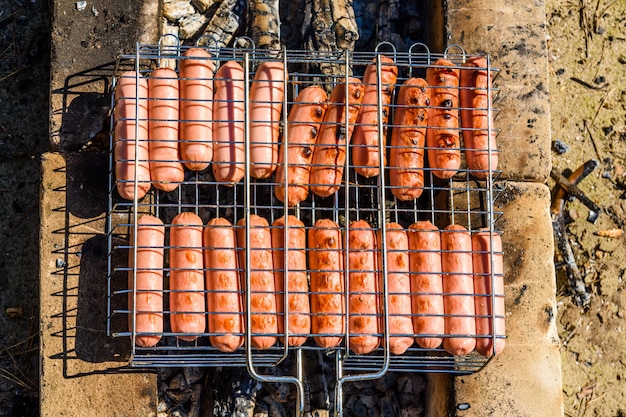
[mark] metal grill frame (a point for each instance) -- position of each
(461, 199)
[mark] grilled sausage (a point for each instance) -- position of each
(131, 136)
(228, 124)
(298, 312)
(486, 250)
(458, 286)
(166, 170)
(224, 296)
(266, 103)
(366, 137)
(329, 155)
(406, 156)
(196, 109)
(481, 152)
(187, 301)
(398, 288)
(442, 137)
(363, 290)
(264, 322)
(426, 284)
(327, 283)
(149, 281)
(303, 125)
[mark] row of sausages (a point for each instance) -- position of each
(195, 117)
(440, 284)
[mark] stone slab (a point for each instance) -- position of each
(83, 371)
(514, 35)
(525, 379)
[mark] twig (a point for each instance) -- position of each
(576, 281)
(604, 99)
(591, 86)
(573, 190)
(593, 140)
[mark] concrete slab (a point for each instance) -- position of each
(525, 380)
(83, 372)
(514, 35)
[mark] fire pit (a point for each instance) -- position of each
(467, 207)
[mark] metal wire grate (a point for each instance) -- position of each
(462, 199)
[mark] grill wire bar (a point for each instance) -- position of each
(462, 199)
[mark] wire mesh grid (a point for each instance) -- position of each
(465, 198)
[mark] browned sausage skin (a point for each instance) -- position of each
(329, 155)
(131, 136)
(298, 313)
(196, 109)
(481, 151)
(228, 124)
(166, 170)
(406, 156)
(266, 103)
(223, 284)
(149, 280)
(187, 301)
(398, 287)
(366, 138)
(458, 286)
(327, 283)
(426, 284)
(363, 288)
(263, 321)
(489, 287)
(303, 125)
(442, 137)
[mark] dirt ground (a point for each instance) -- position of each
(24, 115)
(587, 65)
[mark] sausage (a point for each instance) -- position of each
(166, 170)
(228, 124)
(264, 322)
(426, 284)
(187, 303)
(363, 288)
(406, 156)
(442, 137)
(196, 109)
(149, 288)
(398, 288)
(131, 124)
(303, 125)
(365, 153)
(266, 103)
(298, 312)
(480, 146)
(224, 295)
(458, 287)
(329, 155)
(484, 249)
(327, 283)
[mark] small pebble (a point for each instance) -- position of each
(463, 406)
(560, 71)
(600, 80)
(560, 147)
(600, 30)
